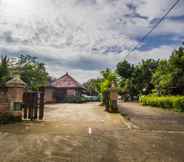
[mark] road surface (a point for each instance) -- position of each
(85, 133)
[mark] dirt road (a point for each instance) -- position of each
(151, 118)
(85, 133)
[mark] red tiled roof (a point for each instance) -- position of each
(66, 81)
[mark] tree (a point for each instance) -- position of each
(4, 71)
(176, 62)
(136, 80)
(124, 69)
(162, 78)
(93, 86)
(146, 69)
(32, 72)
(168, 78)
(108, 76)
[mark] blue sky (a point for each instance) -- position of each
(85, 36)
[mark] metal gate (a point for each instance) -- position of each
(33, 105)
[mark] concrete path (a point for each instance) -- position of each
(85, 133)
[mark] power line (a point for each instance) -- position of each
(153, 28)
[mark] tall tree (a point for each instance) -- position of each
(108, 76)
(136, 80)
(176, 62)
(124, 69)
(32, 72)
(93, 86)
(168, 78)
(162, 78)
(146, 70)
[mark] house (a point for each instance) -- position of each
(59, 89)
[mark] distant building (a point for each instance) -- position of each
(61, 88)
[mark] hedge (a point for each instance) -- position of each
(75, 99)
(80, 99)
(167, 102)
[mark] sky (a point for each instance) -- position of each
(83, 37)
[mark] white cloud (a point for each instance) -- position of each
(162, 52)
(82, 36)
(170, 27)
(156, 8)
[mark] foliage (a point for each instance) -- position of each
(168, 102)
(168, 78)
(124, 69)
(80, 99)
(6, 118)
(92, 98)
(162, 78)
(147, 69)
(108, 77)
(75, 99)
(93, 86)
(32, 72)
(105, 85)
(136, 80)
(176, 62)
(4, 70)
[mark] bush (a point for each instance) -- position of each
(75, 99)
(92, 98)
(7, 118)
(168, 102)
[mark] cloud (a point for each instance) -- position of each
(154, 9)
(162, 52)
(84, 36)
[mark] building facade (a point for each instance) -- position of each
(60, 89)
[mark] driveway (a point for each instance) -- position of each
(85, 133)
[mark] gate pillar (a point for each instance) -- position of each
(15, 91)
(114, 97)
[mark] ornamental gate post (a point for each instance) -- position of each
(15, 90)
(114, 98)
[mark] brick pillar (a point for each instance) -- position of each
(4, 103)
(114, 97)
(15, 91)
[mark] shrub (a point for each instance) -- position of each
(91, 98)
(7, 118)
(168, 102)
(75, 99)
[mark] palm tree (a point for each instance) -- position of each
(4, 70)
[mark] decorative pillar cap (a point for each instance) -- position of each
(16, 82)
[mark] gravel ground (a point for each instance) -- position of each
(85, 133)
